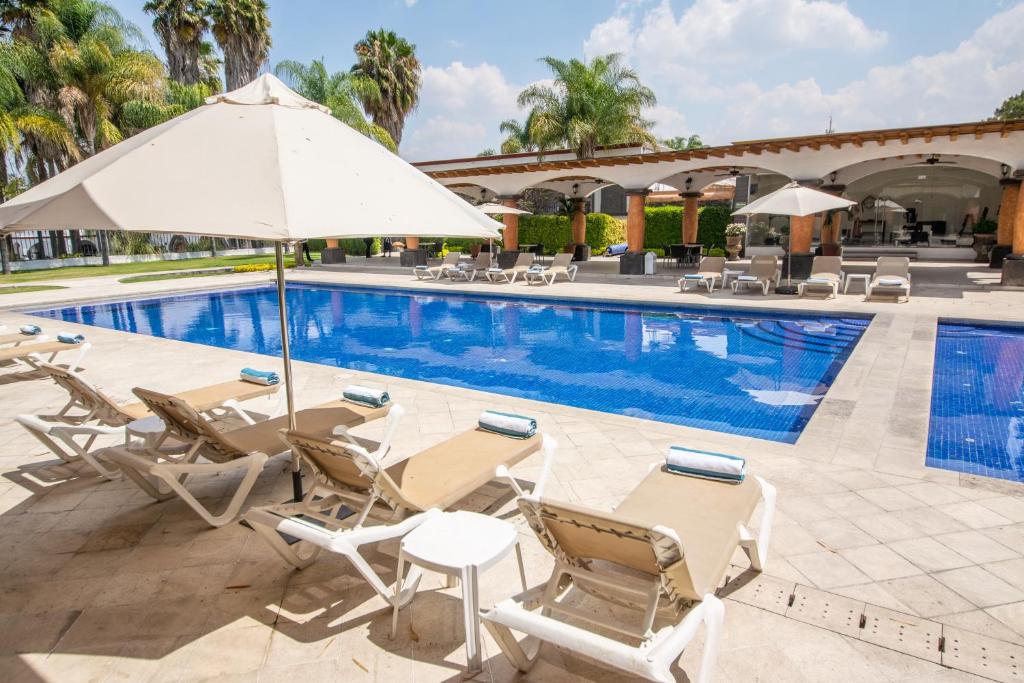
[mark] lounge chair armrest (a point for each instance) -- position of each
(548, 447)
(757, 548)
(236, 408)
(91, 430)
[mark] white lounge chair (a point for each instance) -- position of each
(769, 258)
(509, 275)
(355, 475)
(826, 273)
(469, 272)
(246, 448)
(31, 355)
(708, 272)
(561, 265)
(437, 272)
(667, 545)
(892, 276)
(762, 273)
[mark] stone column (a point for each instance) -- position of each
(1007, 210)
(690, 216)
(1013, 264)
(579, 221)
(801, 234)
(510, 235)
(831, 231)
(636, 222)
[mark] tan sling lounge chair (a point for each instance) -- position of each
(826, 273)
(509, 275)
(709, 270)
(892, 276)
(347, 474)
(32, 355)
(666, 547)
(762, 274)
(560, 265)
(769, 258)
(246, 448)
(19, 338)
(103, 416)
(469, 273)
(437, 272)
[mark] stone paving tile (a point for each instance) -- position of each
(929, 554)
(879, 562)
(979, 586)
(977, 546)
(828, 570)
(925, 596)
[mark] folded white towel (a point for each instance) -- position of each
(31, 329)
(891, 281)
(693, 276)
(818, 281)
(706, 464)
(366, 395)
(509, 424)
(747, 278)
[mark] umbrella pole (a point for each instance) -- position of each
(287, 360)
(788, 288)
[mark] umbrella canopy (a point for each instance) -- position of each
(260, 162)
(794, 200)
(493, 208)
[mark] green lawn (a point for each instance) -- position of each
(131, 268)
(173, 276)
(28, 288)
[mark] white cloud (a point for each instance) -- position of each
(410, 3)
(965, 83)
(461, 108)
(668, 122)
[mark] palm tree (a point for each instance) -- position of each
(588, 105)
(242, 30)
(210, 64)
(681, 142)
(390, 62)
(180, 25)
(340, 92)
(517, 136)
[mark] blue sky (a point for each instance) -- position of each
(725, 69)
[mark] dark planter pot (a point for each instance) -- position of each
(801, 266)
(998, 253)
(982, 245)
(410, 258)
(580, 252)
(1013, 270)
(507, 259)
(633, 263)
(332, 255)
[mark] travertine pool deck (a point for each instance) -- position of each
(876, 561)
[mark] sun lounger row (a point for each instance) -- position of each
(891, 276)
(525, 268)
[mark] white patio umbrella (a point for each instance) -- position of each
(793, 200)
(260, 162)
(496, 209)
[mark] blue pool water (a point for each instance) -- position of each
(756, 374)
(977, 413)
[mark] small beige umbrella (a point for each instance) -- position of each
(260, 162)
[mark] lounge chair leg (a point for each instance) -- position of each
(714, 617)
(521, 658)
(757, 548)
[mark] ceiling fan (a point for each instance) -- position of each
(932, 160)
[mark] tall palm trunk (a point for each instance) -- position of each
(5, 256)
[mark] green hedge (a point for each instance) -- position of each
(354, 246)
(665, 225)
(554, 232)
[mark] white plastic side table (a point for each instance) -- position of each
(862, 277)
(459, 545)
(730, 273)
(150, 429)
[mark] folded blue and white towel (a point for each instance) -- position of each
(706, 465)
(366, 396)
(31, 329)
(495, 269)
(68, 338)
(891, 281)
(259, 376)
(421, 267)
(818, 281)
(747, 278)
(693, 276)
(508, 424)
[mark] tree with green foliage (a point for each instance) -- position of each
(180, 26)
(590, 104)
(340, 92)
(489, 152)
(682, 143)
(517, 135)
(1011, 108)
(389, 61)
(242, 30)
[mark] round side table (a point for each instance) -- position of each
(459, 545)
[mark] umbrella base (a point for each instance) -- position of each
(789, 290)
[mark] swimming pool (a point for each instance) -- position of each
(756, 374)
(977, 411)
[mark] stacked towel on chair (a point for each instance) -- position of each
(818, 281)
(68, 338)
(365, 395)
(259, 376)
(747, 278)
(31, 329)
(693, 276)
(508, 424)
(891, 281)
(706, 465)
